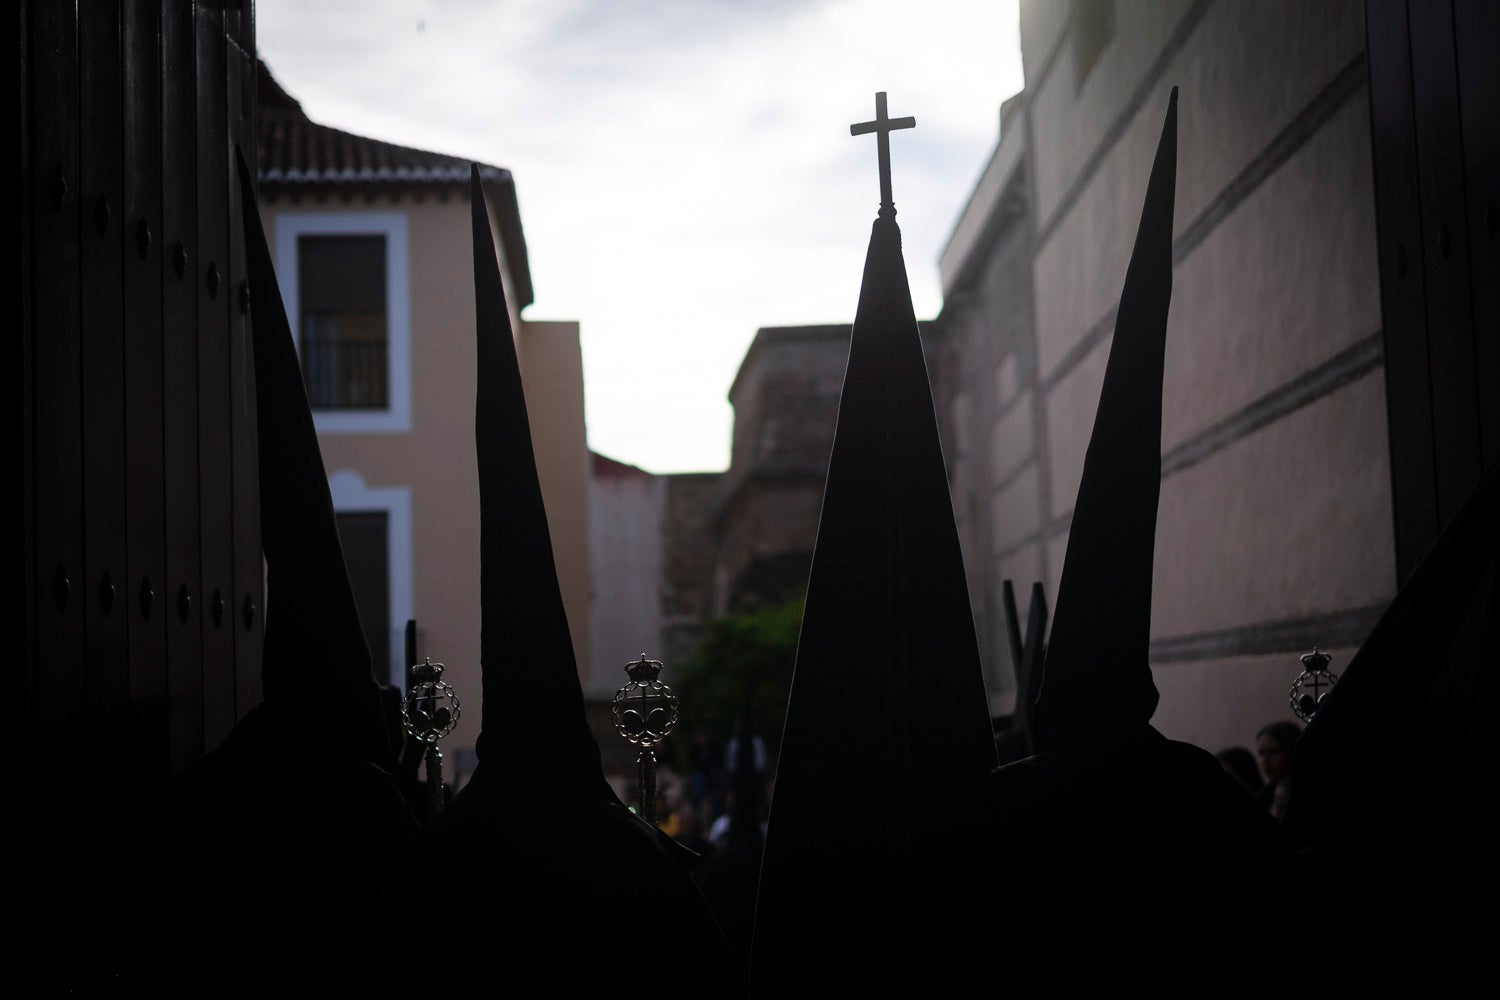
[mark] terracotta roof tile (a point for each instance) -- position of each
(293, 152)
(296, 149)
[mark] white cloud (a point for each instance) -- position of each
(685, 169)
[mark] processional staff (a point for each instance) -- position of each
(1312, 685)
(645, 710)
(430, 711)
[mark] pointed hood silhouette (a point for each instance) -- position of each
(548, 851)
(315, 648)
(1342, 770)
(1098, 680)
(286, 833)
(1107, 815)
(1028, 655)
(887, 701)
(729, 876)
(1013, 636)
(1033, 658)
(533, 700)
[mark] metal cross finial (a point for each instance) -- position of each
(883, 126)
(430, 711)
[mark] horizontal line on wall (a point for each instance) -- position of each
(1055, 52)
(1332, 630)
(1122, 120)
(1009, 479)
(1345, 84)
(1085, 346)
(1349, 365)
(1345, 367)
(1030, 538)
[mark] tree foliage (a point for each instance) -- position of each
(755, 649)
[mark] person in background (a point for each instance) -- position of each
(1274, 745)
(703, 773)
(732, 750)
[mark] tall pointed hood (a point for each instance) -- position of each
(1098, 680)
(1013, 637)
(887, 712)
(315, 651)
(536, 829)
(1343, 769)
(533, 701)
(1033, 657)
(1027, 655)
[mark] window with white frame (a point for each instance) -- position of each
(345, 283)
(375, 530)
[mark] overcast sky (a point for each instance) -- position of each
(684, 167)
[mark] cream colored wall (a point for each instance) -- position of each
(552, 370)
(435, 460)
(1280, 522)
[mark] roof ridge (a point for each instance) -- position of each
(437, 167)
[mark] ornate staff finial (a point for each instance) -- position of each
(1313, 684)
(430, 711)
(883, 126)
(645, 710)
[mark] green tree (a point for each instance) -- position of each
(754, 649)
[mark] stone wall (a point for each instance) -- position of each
(688, 550)
(786, 400)
(734, 540)
(983, 374)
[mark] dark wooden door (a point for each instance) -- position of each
(1434, 104)
(1435, 127)
(141, 535)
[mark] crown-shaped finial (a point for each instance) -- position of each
(1315, 660)
(643, 671)
(1312, 685)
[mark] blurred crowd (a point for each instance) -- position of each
(696, 788)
